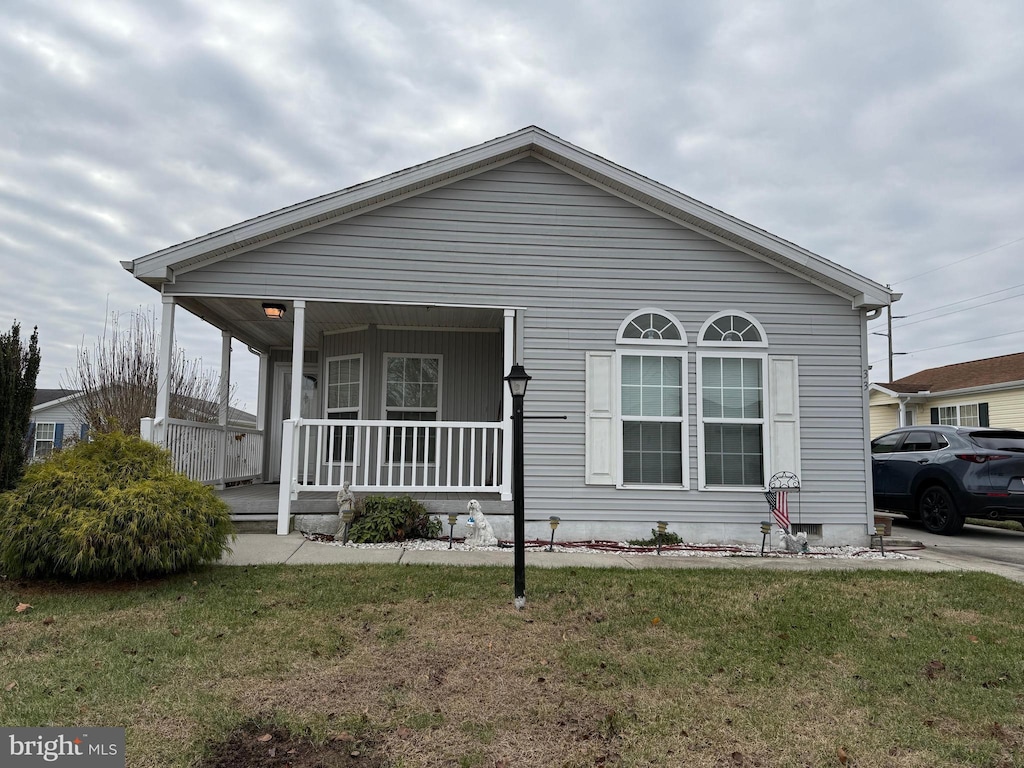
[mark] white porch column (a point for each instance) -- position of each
(298, 347)
(222, 412)
(903, 413)
(163, 385)
(261, 396)
(509, 341)
(289, 447)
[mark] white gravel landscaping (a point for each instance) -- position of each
(624, 548)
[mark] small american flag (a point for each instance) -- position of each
(780, 508)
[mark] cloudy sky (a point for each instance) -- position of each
(884, 136)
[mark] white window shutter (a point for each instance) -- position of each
(784, 415)
(601, 459)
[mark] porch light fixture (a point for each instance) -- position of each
(554, 520)
(274, 311)
(517, 380)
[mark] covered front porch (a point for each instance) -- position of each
(386, 398)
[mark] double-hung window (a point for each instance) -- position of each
(652, 366)
(653, 399)
(960, 415)
(732, 403)
(412, 392)
(44, 439)
(344, 399)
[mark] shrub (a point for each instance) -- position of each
(110, 509)
(668, 538)
(392, 518)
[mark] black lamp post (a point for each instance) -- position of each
(517, 380)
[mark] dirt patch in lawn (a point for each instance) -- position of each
(253, 745)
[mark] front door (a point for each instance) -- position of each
(281, 410)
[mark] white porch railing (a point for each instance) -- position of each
(211, 453)
(407, 456)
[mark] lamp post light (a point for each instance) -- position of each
(554, 520)
(517, 380)
(452, 519)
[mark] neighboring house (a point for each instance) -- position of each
(691, 354)
(978, 393)
(53, 420)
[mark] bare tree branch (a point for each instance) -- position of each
(118, 379)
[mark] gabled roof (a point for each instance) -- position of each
(51, 396)
(161, 266)
(975, 373)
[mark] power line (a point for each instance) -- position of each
(965, 309)
(967, 341)
(958, 261)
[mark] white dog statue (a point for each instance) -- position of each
(480, 532)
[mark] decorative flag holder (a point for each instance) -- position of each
(780, 486)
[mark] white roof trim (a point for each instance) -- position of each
(58, 401)
(160, 265)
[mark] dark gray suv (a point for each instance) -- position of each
(941, 475)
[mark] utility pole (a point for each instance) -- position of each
(889, 318)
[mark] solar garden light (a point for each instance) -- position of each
(453, 518)
(766, 531)
(880, 533)
(554, 520)
(662, 527)
(347, 516)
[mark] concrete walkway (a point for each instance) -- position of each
(293, 549)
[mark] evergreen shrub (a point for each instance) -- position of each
(113, 508)
(392, 518)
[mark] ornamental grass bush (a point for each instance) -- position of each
(113, 508)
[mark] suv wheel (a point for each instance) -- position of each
(938, 511)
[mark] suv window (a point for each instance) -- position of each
(917, 441)
(1008, 440)
(886, 443)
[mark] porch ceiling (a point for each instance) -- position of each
(245, 320)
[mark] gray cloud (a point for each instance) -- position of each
(884, 137)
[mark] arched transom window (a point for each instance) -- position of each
(651, 326)
(732, 328)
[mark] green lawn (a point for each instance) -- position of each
(428, 666)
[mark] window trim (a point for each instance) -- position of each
(765, 422)
(680, 342)
(684, 419)
(702, 342)
(36, 441)
(358, 410)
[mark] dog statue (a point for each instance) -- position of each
(480, 532)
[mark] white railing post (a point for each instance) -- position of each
(146, 430)
(288, 468)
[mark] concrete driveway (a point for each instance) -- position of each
(977, 548)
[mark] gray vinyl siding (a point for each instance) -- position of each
(471, 376)
(579, 259)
